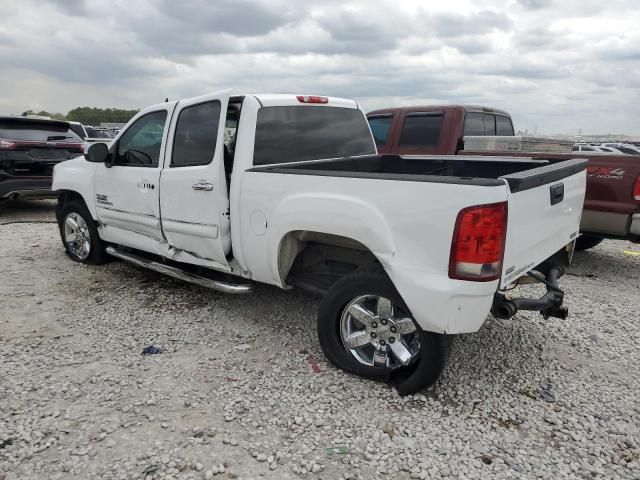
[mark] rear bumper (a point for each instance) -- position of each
(32, 187)
(605, 223)
(611, 225)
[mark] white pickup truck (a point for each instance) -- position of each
(224, 191)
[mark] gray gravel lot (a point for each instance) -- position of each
(242, 389)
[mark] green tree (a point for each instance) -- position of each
(95, 116)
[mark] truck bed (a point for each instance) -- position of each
(404, 209)
(520, 173)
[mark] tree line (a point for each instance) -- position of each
(89, 115)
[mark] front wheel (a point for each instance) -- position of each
(365, 328)
(79, 235)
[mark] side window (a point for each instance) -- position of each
(473, 124)
(421, 130)
(196, 135)
(575, 148)
(140, 145)
(380, 128)
(504, 127)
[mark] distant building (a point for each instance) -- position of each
(112, 125)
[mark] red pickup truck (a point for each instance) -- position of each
(612, 203)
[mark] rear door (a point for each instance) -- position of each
(127, 189)
(544, 210)
(194, 199)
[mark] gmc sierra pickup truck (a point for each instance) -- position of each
(612, 202)
(288, 190)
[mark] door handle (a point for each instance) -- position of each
(204, 186)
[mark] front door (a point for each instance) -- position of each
(194, 200)
(127, 187)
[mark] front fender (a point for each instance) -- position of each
(333, 214)
(76, 175)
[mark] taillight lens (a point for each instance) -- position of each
(477, 248)
(636, 189)
(6, 145)
(312, 99)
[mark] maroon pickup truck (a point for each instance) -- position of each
(612, 203)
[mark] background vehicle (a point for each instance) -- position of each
(623, 147)
(405, 250)
(587, 147)
(79, 129)
(29, 149)
(612, 202)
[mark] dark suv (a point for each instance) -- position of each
(29, 149)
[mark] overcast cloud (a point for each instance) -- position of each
(556, 65)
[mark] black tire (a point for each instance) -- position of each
(97, 252)
(585, 242)
(341, 293)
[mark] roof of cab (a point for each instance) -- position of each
(431, 108)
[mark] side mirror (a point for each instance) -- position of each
(97, 153)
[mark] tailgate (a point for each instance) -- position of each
(545, 206)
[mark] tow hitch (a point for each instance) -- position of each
(549, 305)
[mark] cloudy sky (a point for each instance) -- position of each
(556, 65)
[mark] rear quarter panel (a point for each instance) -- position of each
(407, 225)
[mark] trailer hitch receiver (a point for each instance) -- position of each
(549, 305)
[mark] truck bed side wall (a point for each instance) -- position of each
(407, 225)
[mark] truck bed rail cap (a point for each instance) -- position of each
(535, 177)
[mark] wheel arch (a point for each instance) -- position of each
(310, 253)
(67, 195)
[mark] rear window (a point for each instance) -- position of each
(479, 124)
(380, 129)
(504, 127)
(299, 133)
(421, 130)
(37, 131)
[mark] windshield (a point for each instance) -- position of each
(37, 131)
(299, 133)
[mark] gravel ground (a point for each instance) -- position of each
(242, 389)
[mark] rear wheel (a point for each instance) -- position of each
(79, 234)
(585, 242)
(365, 328)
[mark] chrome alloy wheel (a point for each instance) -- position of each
(77, 236)
(378, 333)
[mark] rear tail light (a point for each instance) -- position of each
(636, 189)
(477, 248)
(312, 99)
(6, 145)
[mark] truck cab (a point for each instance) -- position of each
(434, 129)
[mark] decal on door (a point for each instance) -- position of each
(103, 200)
